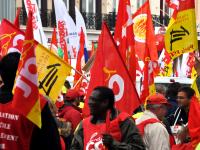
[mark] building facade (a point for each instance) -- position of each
(93, 11)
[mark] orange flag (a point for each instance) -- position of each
(26, 93)
(77, 75)
(124, 36)
(110, 70)
(144, 33)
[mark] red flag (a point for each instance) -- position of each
(193, 120)
(10, 39)
(79, 57)
(148, 87)
(26, 93)
(16, 22)
(110, 70)
(54, 44)
(144, 33)
(124, 36)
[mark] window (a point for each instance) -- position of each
(89, 6)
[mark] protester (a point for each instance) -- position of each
(155, 135)
(179, 120)
(70, 112)
(64, 127)
(171, 95)
(17, 132)
(106, 127)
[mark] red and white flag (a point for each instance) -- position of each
(26, 94)
(110, 70)
(124, 36)
(145, 48)
(188, 61)
(31, 5)
(144, 33)
(174, 4)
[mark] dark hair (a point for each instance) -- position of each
(172, 90)
(106, 93)
(8, 68)
(188, 90)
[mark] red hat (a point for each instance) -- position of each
(157, 99)
(72, 94)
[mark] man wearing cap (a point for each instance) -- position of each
(155, 135)
(70, 111)
(106, 128)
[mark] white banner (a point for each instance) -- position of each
(31, 5)
(80, 23)
(70, 34)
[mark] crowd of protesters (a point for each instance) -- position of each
(161, 125)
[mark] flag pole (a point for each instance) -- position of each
(158, 22)
(79, 80)
(82, 75)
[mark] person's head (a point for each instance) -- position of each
(100, 100)
(8, 69)
(172, 90)
(157, 103)
(160, 88)
(72, 96)
(184, 96)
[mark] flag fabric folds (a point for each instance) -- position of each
(52, 71)
(26, 93)
(181, 34)
(144, 33)
(77, 75)
(110, 70)
(124, 36)
(31, 5)
(145, 48)
(67, 30)
(193, 121)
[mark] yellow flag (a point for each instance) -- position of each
(167, 70)
(195, 87)
(181, 35)
(52, 72)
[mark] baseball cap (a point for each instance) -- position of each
(72, 94)
(157, 99)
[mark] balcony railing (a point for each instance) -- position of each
(93, 21)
